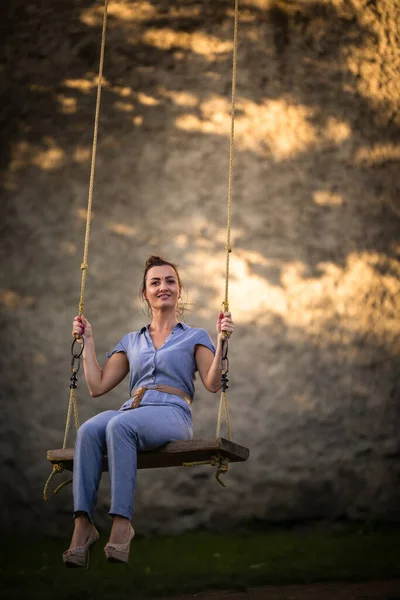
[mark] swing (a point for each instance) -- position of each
(217, 452)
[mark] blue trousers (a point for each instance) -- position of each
(121, 434)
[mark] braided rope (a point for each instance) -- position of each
(223, 405)
(215, 461)
(84, 264)
(72, 408)
(223, 464)
(231, 152)
(57, 468)
(73, 405)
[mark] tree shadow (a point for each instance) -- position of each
(164, 69)
(50, 57)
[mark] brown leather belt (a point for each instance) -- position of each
(137, 394)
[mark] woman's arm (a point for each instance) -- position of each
(209, 364)
(99, 381)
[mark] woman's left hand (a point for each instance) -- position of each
(225, 323)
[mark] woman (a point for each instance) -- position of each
(164, 355)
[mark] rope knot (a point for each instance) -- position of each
(222, 468)
(84, 266)
(57, 468)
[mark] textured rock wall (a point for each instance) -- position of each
(315, 277)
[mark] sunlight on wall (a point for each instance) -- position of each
(132, 11)
(377, 154)
(249, 294)
(124, 106)
(82, 154)
(68, 105)
(49, 159)
(180, 98)
(147, 100)
(324, 198)
(208, 46)
(261, 4)
(122, 229)
(335, 294)
(374, 63)
(85, 85)
(24, 154)
(275, 127)
(12, 300)
(336, 131)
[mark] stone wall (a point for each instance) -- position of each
(315, 277)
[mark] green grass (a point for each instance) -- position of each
(32, 568)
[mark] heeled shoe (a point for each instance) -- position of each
(80, 556)
(119, 553)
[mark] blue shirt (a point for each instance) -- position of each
(172, 364)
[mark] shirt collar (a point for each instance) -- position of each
(181, 325)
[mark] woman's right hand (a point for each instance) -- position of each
(81, 327)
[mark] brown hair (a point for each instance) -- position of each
(156, 261)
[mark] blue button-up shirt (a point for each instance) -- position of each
(172, 364)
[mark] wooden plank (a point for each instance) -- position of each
(173, 454)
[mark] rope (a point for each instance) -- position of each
(231, 153)
(84, 264)
(221, 463)
(223, 405)
(73, 405)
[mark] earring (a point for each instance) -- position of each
(180, 309)
(146, 309)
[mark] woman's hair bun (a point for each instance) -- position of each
(154, 261)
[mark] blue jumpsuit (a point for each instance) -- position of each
(160, 417)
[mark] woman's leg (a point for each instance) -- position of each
(89, 447)
(143, 428)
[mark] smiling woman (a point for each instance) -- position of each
(161, 360)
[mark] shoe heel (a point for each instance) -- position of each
(80, 556)
(119, 553)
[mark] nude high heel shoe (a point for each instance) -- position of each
(119, 553)
(79, 556)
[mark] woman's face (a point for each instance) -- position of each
(162, 288)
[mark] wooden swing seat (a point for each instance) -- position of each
(173, 454)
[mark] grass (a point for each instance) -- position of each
(32, 568)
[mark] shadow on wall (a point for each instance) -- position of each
(304, 95)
